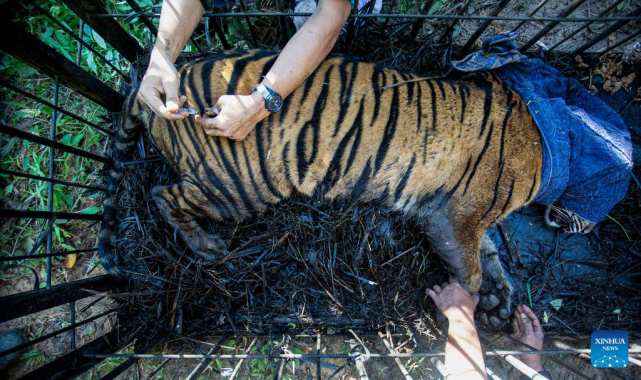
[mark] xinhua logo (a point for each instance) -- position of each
(609, 349)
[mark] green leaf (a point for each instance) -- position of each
(91, 210)
(529, 295)
(545, 316)
(617, 311)
(99, 40)
(92, 64)
(557, 303)
(435, 7)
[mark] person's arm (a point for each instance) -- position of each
(463, 354)
(238, 115)
(178, 20)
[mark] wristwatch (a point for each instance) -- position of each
(273, 101)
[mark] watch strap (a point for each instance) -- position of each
(264, 91)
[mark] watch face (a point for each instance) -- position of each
(275, 103)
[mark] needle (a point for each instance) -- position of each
(190, 111)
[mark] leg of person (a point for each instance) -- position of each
(181, 204)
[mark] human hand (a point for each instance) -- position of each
(161, 79)
(234, 116)
(528, 330)
(453, 301)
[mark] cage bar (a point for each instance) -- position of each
(21, 304)
(12, 213)
(566, 12)
(108, 29)
(50, 204)
(240, 362)
(397, 16)
(577, 31)
(391, 349)
(475, 36)
(74, 363)
(55, 333)
(80, 41)
(14, 132)
(52, 254)
(536, 9)
(31, 50)
(623, 41)
(129, 362)
(8, 85)
(193, 375)
(605, 33)
(52, 180)
(150, 25)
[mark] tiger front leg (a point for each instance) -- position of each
(495, 292)
(181, 204)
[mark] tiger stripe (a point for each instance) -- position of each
(462, 153)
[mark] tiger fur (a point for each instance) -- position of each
(456, 155)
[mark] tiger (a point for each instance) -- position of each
(457, 155)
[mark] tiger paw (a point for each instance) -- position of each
(209, 248)
(495, 292)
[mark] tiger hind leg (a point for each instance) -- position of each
(495, 292)
(181, 204)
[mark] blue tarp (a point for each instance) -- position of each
(587, 151)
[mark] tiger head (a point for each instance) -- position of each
(560, 217)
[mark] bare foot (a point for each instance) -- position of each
(527, 329)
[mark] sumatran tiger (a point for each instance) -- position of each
(456, 155)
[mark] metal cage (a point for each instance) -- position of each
(30, 49)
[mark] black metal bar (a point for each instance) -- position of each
(21, 304)
(566, 12)
(571, 369)
(42, 255)
(56, 181)
(337, 356)
(50, 208)
(150, 25)
(252, 33)
(495, 12)
(577, 31)
(52, 334)
(74, 363)
(397, 15)
(59, 109)
(536, 9)
(628, 38)
(9, 213)
(282, 21)
(605, 33)
(124, 366)
(14, 132)
(221, 34)
(72, 318)
(31, 50)
(81, 27)
(80, 41)
(108, 29)
(351, 27)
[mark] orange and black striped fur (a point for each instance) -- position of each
(457, 155)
